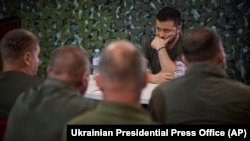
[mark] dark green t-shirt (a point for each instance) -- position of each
(152, 55)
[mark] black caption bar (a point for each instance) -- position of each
(78, 132)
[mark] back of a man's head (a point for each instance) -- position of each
(20, 50)
(16, 42)
(201, 44)
(169, 14)
(121, 64)
(69, 64)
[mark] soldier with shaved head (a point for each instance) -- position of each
(122, 77)
(41, 112)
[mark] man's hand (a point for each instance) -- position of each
(160, 77)
(160, 42)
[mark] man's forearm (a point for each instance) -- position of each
(151, 78)
(167, 65)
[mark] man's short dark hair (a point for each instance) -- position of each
(200, 44)
(16, 42)
(169, 13)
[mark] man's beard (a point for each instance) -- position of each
(172, 39)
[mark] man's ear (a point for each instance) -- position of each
(85, 77)
(98, 81)
(27, 58)
(84, 83)
(221, 60)
(184, 60)
(48, 69)
(179, 27)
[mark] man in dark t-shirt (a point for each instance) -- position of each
(19, 51)
(164, 49)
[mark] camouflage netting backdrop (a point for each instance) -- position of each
(94, 23)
